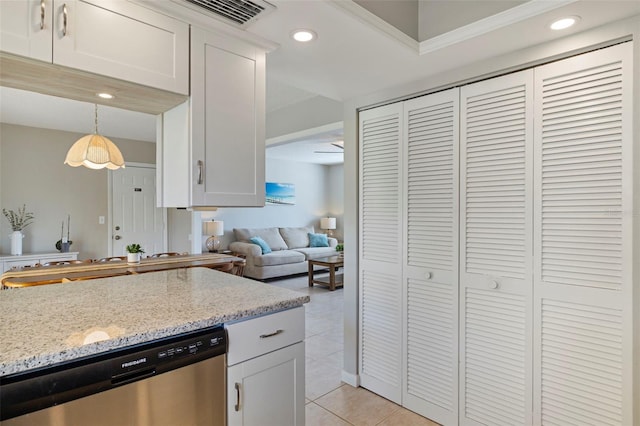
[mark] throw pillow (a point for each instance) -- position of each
(318, 240)
(297, 237)
(263, 245)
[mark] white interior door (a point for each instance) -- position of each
(381, 251)
(431, 256)
(496, 251)
(135, 217)
(583, 280)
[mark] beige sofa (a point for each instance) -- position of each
(289, 255)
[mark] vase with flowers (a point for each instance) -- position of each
(19, 221)
(64, 242)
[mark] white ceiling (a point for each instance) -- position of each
(355, 54)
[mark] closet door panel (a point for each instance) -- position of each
(431, 256)
(381, 233)
(496, 138)
(583, 242)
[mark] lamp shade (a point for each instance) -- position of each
(328, 223)
(214, 227)
(95, 152)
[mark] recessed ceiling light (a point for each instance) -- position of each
(303, 35)
(105, 95)
(564, 23)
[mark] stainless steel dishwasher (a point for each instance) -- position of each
(173, 381)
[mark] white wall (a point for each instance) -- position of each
(313, 200)
(308, 114)
(32, 173)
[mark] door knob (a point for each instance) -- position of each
(117, 237)
(117, 228)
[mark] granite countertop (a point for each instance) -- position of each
(45, 325)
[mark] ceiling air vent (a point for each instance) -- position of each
(240, 12)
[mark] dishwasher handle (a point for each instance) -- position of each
(132, 376)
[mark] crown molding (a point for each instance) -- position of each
(508, 17)
(381, 25)
(491, 23)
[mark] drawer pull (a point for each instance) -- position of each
(237, 406)
(64, 20)
(200, 167)
(275, 333)
(42, 7)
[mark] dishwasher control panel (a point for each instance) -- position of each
(172, 351)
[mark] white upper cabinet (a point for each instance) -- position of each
(227, 107)
(26, 28)
(211, 151)
(112, 38)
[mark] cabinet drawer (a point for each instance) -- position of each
(254, 337)
(20, 263)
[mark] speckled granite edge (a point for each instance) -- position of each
(196, 285)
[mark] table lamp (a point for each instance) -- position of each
(213, 228)
(328, 223)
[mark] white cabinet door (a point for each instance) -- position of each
(381, 235)
(122, 40)
(431, 256)
(268, 390)
(496, 209)
(227, 116)
(583, 276)
(26, 28)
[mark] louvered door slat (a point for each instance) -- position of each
(582, 278)
(430, 255)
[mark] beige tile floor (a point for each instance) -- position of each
(330, 401)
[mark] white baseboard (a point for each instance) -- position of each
(351, 379)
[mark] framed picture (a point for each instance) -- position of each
(280, 194)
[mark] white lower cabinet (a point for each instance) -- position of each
(265, 374)
(503, 211)
(31, 259)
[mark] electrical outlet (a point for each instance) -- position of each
(100, 220)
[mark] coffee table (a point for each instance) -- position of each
(331, 262)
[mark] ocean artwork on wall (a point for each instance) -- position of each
(280, 194)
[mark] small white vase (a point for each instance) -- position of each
(16, 242)
(133, 257)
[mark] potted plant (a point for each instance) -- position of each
(133, 253)
(18, 220)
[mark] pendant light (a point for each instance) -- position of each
(95, 152)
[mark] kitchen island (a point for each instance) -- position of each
(46, 325)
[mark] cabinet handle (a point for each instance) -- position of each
(237, 406)
(428, 275)
(494, 285)
(200, 167)
(275, 333)
(42, 6)
(64, 20)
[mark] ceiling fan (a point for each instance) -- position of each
(339, 144)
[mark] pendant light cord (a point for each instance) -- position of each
(96, 119)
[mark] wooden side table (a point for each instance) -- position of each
(331, 262)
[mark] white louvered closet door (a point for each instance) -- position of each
(496, 251)
(430, 367)
(381, 250)
(583, 300)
